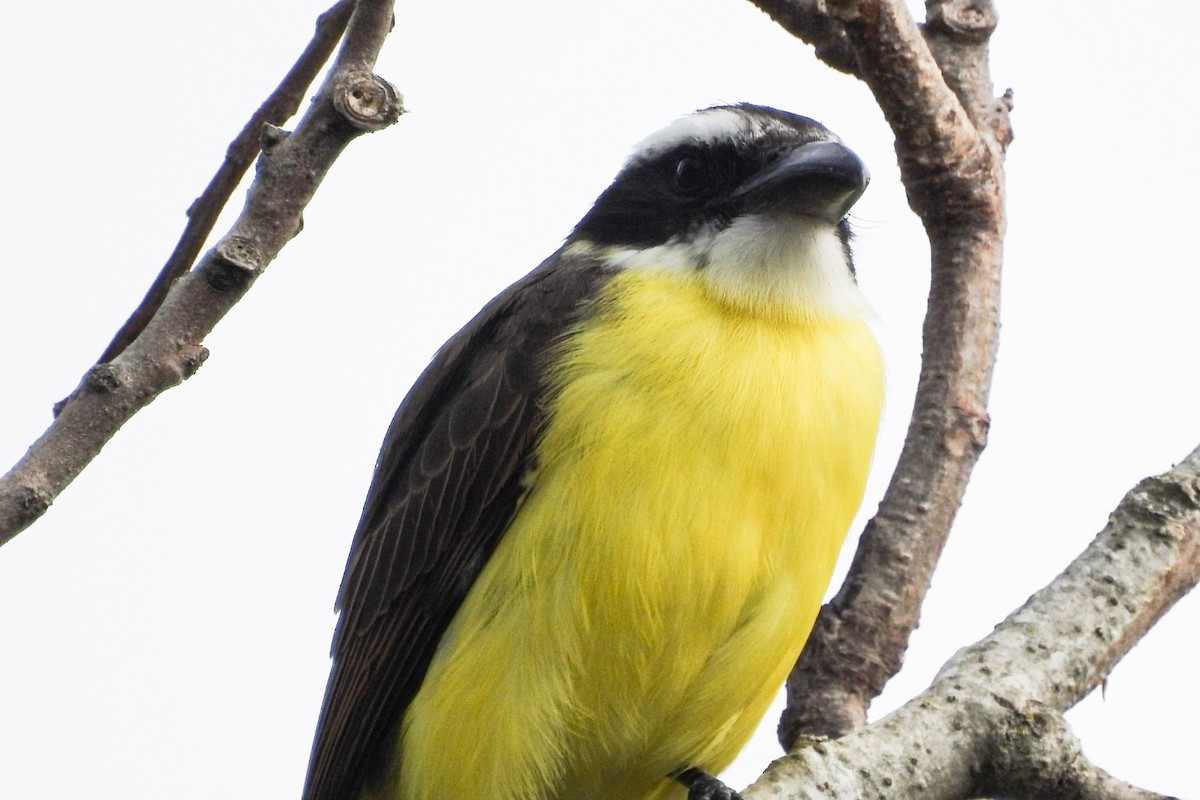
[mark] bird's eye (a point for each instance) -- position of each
(690, 175)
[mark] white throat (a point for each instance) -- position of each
(772, 264)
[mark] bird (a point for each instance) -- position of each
(603, 519)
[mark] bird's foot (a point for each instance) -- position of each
(702, 786)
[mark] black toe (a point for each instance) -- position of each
(702, 786)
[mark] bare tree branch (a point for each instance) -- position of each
(809, 22)
(169, 349)
(240, 154)
(1091, 615)
(953, 171)
(958, 32)
(1041, 759)
(990, 724)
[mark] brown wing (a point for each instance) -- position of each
(446, 486)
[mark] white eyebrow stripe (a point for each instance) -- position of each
(713, 125)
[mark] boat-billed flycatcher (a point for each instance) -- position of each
(603, 519)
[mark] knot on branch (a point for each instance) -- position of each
(1032, 750)
(844, 10)
(968, 430)
(104, 378)
(193, 359)
(367, 101)
(271, 135)
(1162, 500)
(31, 501)
(34, 501)
(970, 20)
(997, 116)
(1034, 753)
(235, 262)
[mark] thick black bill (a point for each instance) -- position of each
(821, 179)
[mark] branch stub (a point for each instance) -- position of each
(236, 261)
(103, 378)
(971, 20)
(272, 135)
(367, 101)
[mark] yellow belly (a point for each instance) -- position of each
(697, 476)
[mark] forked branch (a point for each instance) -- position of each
(169, 346)
(202, 214)
(997, 707)
(951, 161)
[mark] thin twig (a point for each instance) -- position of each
(170, 348)
(203, 213)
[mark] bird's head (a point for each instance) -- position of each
(749, 199)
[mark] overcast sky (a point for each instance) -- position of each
(164, 629)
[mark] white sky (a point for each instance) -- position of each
(164, 629)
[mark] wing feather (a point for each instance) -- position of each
(448, 480)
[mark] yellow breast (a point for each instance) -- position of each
(697, 475)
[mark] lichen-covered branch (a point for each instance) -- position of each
(952, 167)
(170, 347)
(991, 723)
